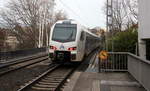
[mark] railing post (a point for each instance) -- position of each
(99, 65)
(116, 61)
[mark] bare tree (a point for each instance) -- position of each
(124, 14)
(132, 5)
(30, 20)
(46, 16)
(119, 15)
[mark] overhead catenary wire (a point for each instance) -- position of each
(78, 7)
(73, 11)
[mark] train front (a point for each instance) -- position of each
(63, 44)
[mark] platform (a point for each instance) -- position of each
(87, 78)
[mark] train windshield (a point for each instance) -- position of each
(64, 32)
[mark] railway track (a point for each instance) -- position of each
(16, 65)
(51, 80)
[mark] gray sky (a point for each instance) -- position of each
(2, 2)
(87, 12)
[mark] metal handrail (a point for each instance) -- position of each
(138, 67)
(139, 58)
(116, 61)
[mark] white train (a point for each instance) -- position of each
(70, 41)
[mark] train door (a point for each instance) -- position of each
(82, 45)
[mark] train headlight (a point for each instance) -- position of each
(53, 48)
(72, 48)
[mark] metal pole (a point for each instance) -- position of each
(109, 20)
(106, 44)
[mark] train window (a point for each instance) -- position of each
(64, 32)
(82, 36)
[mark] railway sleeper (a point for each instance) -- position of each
(43, 88)
(43, 85)
(53, 81)
(49, 80)
(56, 76)
(46, 83)
(53, 78)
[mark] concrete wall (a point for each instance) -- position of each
(6, 56)
(144, 19)
(144, 26)
(140, 70)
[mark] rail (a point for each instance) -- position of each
(21, 63)
(51, 80)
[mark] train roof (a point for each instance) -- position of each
(91, 33)
(71, 21)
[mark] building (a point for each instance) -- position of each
(8, 41)
(2, 39)
(144, 29)
(12, 42)
(3, 35)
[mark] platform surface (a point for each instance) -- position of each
(90, 81)
(88, 78)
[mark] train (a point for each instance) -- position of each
(70, 41)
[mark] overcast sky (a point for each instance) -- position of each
(2, 2)
(87, 12)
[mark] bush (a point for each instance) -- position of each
(124, 41)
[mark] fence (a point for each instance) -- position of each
(4, 56)
(116, 61)
(122, 61)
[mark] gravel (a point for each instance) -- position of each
(14, 80)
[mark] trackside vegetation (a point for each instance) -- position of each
(124, 41)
